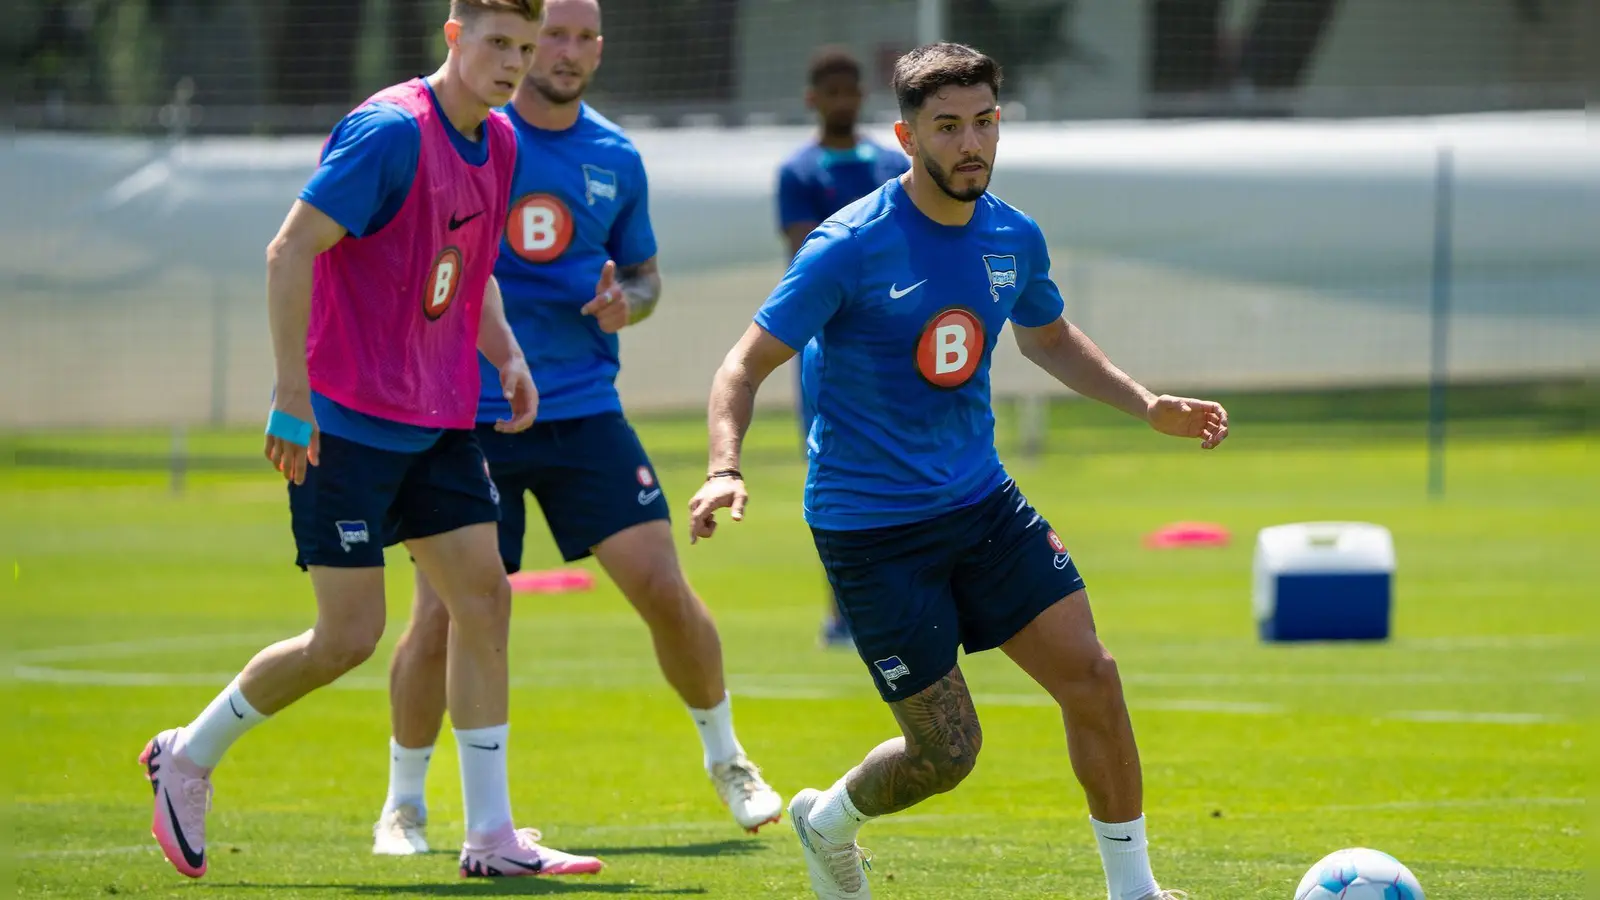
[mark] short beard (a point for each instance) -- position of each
(942, 179)
(549, 92)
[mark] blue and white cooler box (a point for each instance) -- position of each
(1324, 581)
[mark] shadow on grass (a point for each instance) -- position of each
(481, 887)
(536, 887)
(730, 847)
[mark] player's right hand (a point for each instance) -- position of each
(288, 458)
(718, 493)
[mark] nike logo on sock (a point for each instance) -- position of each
(494, 746)
(1122, 839)
(234, 708)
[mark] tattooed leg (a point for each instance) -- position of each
(939, 748)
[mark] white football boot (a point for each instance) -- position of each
(751, 800)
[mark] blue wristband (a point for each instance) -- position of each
(285, 427)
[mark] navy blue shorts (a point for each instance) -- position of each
(591, 477)
(360, 499)
(972, 578)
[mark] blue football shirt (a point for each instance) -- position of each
(905, 313)
(579, 198)
(818, 181)
(364, 177)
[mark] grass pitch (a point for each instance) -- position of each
(1456, 747)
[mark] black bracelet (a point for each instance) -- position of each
(726, 473)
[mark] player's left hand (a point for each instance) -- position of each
(517, 383)
(610, 305)
(1190, 418)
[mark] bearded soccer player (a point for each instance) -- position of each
(581, 216)
(821, 178)
(381, 295)
(929, 544)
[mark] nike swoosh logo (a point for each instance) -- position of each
(491, 747)
(234, 708)
(895, 293)
(1122, 839)
(457, 223)
(535, 866)
(189, 856)
(648, 497)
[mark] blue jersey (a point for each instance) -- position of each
(366, 171)
(579, 198)
(905, 313)
(818, 181)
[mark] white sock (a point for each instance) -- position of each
(484, 789)
(835, 817)
(716, 732)
(1126, 856)
(229, 716)
(408, 776)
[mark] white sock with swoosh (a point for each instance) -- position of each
(1125, 853)
(229, 716)
(485, 793)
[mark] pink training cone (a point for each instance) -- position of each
(1187, 534)
(552, 581)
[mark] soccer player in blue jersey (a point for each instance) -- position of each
(579, 214)
(928, 542)
(820, 179)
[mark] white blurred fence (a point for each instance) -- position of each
(1218, 254)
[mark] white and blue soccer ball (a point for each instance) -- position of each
(1359, 874)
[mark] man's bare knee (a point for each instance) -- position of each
(335, 651)
(1090, 685)
(950, 765)
(483, 605)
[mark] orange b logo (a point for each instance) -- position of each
(950, 348)
(539, 228)
(443, 280)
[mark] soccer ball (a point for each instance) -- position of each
(1359, 874)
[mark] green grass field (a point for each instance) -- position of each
(1458, 746)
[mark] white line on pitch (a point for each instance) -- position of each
(1474, 718)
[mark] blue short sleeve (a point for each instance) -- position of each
(795, 203)
(367, 168)
(1040, 302)
(815, 287)
(632, 240)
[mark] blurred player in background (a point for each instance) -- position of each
(580, 216)
(928, 542)
(381, 295)
(820, 179)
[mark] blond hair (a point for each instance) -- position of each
(531, 10)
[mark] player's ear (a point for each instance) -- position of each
(902, 132)
(811, 98)
(452, 34)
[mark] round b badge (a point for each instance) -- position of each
(950, 348)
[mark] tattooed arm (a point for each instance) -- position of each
(641, 284)
(939, 749)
